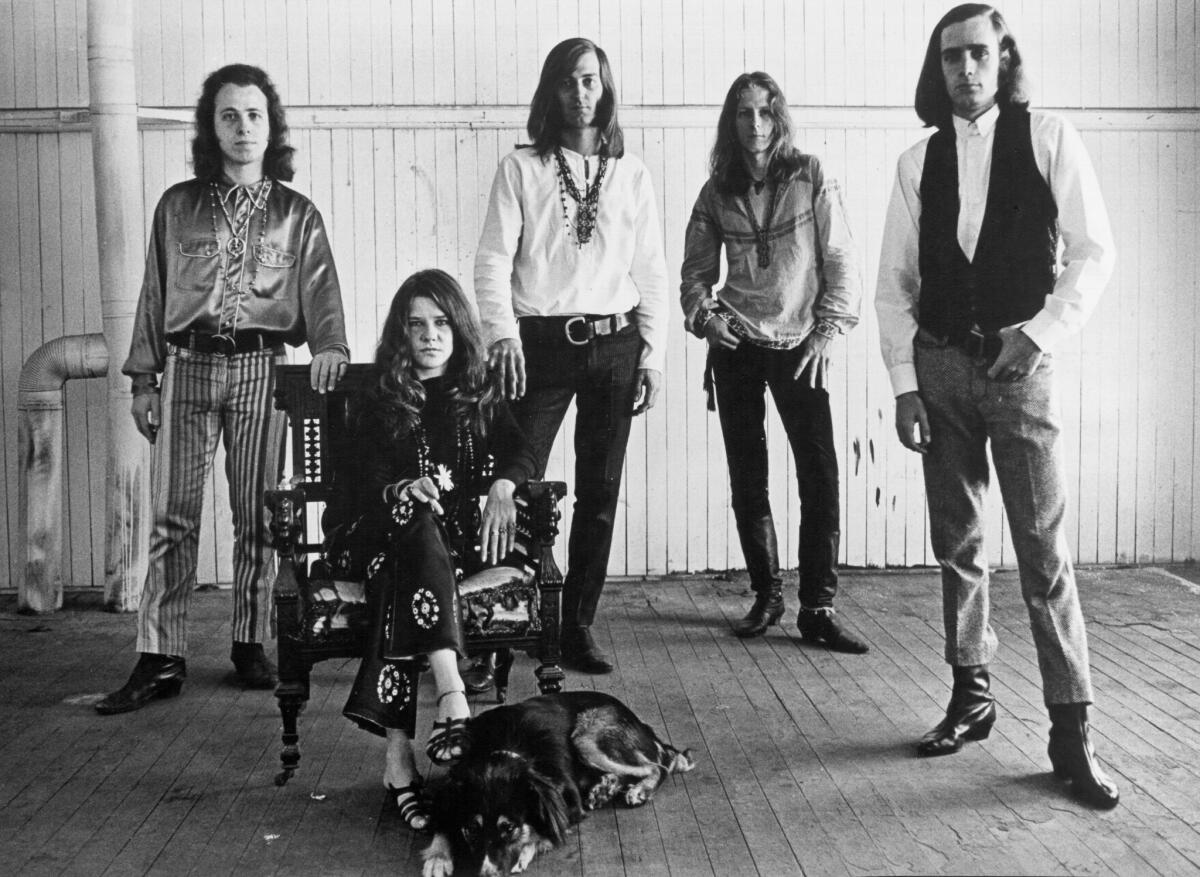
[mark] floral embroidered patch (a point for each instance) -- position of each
(392, 685)
(425, 608)
(402, 510)
(375, 564)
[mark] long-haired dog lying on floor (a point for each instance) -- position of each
(533, 769)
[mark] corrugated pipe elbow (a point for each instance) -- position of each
(56, 362)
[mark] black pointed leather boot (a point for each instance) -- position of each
(760, 547)
(820, 627)
(154, 676)
(767, 610)
(580, 652)
(969, 716)
(1074, 758)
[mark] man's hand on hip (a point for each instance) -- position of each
(718, 334)
(648, 382)
(1019, 356)
(507, 359)
(912, 423)
(327, 369)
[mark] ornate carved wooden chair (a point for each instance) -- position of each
(504, 608)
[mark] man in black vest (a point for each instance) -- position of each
(971, 302)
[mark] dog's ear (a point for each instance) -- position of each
(548, 806)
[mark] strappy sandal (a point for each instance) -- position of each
(410, 801)
(448, 739)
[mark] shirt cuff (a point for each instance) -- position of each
(343, 349)
(1045, 331)
(652, 359)
(500, 333)
(904, 378)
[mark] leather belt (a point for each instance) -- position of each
(576, 330)
(225, 345)
(975, 343)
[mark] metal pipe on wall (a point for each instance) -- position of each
(40, 440)
(116, 163)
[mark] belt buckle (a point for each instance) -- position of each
(224, 345)
(576, 321)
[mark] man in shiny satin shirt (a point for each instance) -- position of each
(238, 266)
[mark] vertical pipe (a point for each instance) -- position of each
(116, 163)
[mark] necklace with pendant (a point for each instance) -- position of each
(239, 227)
(762, 234)
(588, 202)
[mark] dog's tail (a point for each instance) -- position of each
(672, 760)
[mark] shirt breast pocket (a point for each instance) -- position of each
(198, 264)
(274, 267)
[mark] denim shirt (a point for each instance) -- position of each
(285, 283)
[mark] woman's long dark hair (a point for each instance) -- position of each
(396, 396)
(207, 160)
(726, 163)
(932, 101)
(545, 115)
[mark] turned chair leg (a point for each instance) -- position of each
(292, 697)
(504, 663)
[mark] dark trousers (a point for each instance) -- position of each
(413, 594)
(741, 378)
(601, 376)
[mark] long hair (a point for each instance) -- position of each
(933, 104)
(545, 115)
(207, 160)
(396, 396)
(726, 164)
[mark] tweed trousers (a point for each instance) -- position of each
(206, 397)
(1021, 420)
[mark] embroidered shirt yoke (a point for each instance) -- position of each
(813, 271)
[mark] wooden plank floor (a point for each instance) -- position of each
(805, 757)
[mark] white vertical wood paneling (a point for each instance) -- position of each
(398, 197)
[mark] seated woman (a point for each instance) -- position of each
(431, 431)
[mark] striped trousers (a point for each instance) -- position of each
(205, 397)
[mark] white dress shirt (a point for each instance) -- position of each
(1087, 254)
(529, 262)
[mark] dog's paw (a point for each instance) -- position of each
(439, 858)
(637, 795)
(526, 856)
(604, 790)
(682, 762)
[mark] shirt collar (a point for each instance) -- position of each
(233, 192)
(985, 124)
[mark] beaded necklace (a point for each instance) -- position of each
(762, 235)
(464, 454)
(589, 201)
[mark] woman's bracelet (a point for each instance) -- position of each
(826, 329)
